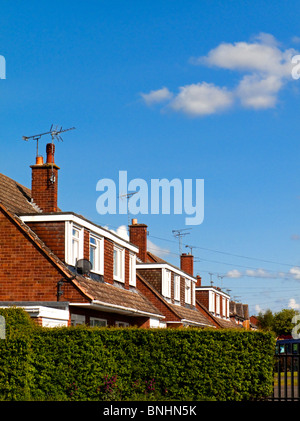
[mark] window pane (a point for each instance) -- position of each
(115, 263)
(92, 256)
(75, 233)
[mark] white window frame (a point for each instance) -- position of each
(177, 287)
(132, 269)
(119, 264)
(122, 324)
(97, 322)
(98, 246)
(166, 283)
(78, 319)
(224, 307)
(188, 291)
(217, 304)
(193, 294)
(211, 302)
(69, 244)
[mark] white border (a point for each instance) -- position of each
(69, 217)
(165, 266)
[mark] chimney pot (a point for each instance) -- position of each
(134, 221)
(198, 283)
(50, 149)
(39, 160)
(44, 181)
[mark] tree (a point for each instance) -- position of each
(282, 322)
(266, 320)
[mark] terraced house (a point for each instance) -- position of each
(65, 270)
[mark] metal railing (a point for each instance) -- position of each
(287, 371)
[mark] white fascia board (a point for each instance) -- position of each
(216, 291)
(69, 217)
(165, 266)
(100, 305)
(47, 312)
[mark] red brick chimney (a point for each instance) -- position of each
(138, 237)
(187, 263)
(44, 181)
(198, 283)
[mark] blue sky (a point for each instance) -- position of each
(169, 89)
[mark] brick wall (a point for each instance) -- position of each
(138, 237)
(43, 191)
(52, 234)
(26, 273)
(108, 261)
(202, 297)
(187, 263)
(153, 276)
(154, 299)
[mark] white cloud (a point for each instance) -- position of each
(257, 57)
(265, 69)
(234, 274)
(259, 273)
(295, 271)
(157, 250)
(259, 309)
(122, 232)
(293, 304)
(157, 96)
(201, 99)
(256, 92)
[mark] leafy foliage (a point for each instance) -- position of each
(82, 363)
(280, 323)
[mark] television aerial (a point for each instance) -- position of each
(55, 133)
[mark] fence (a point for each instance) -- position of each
(287, 371)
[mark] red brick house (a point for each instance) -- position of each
(40, 248)
(175, 291)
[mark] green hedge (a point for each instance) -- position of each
(82, 363)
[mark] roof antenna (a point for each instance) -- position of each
(221, 277)
(178, 234)
(191, 249)
(55, 134)
(122, 196)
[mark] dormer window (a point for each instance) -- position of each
(96, 254)
(74, 243)
(188, 291)
(177, 288)
(119, 264)
(166, 283)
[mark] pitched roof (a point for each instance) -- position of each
(15, 197)
(92, 290)
(183, 313)
(191, 315)
(116, 296)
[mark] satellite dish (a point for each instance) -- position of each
(83, 266)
